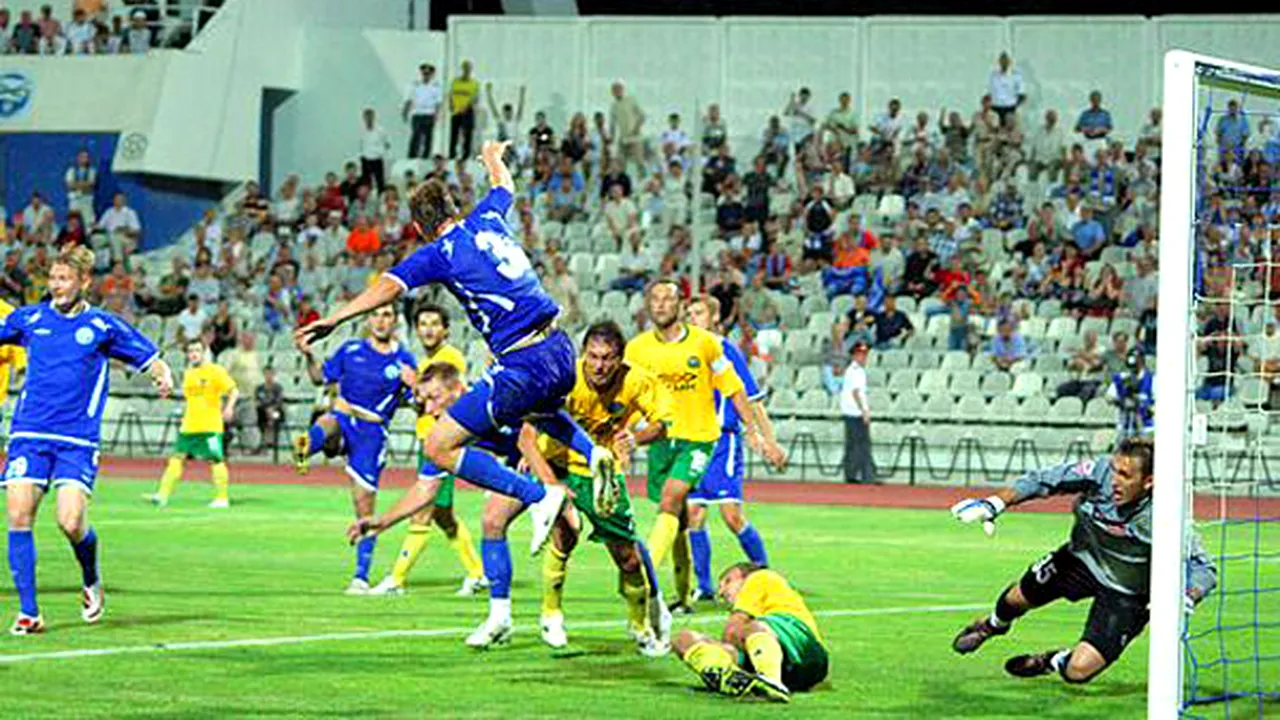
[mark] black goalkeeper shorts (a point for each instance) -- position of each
(1115, 618)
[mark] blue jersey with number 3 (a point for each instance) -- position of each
(482, 265)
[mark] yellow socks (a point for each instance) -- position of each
(462, 545)
(220, 480)
(555, 565)
(169, 480)
(765, 654)
(662, 537)
(635, 590)
(682, 564)
(704, 656)
(414, 543)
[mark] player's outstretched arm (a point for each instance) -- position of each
(383, 291)
(987, 509)
(499, 174)
(419, 496)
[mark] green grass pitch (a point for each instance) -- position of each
(890, 587)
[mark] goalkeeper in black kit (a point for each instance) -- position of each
(1107, 559)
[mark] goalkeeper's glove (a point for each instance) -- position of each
(979, 509)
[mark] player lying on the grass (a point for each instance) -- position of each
(771, 646)
(439, 388)
(478, 260)
(431, 322)
(722, 483)
(373, 376)
(1108, 559)
(53, 439)
(210, 403)
(691, 364)
(623, 407)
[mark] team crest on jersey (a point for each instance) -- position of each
(391, 372)
(694, 362)
(84, 336)
(615, 408)
(17, 468)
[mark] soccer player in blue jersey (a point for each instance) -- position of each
(439, 387)
(53, 440)
(477, 259)
(373, 376)
(722, 483)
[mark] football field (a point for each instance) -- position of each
(241, 613)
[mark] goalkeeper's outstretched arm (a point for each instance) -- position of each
(1065, 479)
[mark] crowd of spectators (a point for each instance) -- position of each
(971, 218)
(91, 27)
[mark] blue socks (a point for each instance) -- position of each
(753, 545)
(700, 545)
(480, 468)
(496, 557)
(87, 555)
(315, 439)
(22, 565)
(364, 557)
(564, 430)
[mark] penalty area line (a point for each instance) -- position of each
(198, 645)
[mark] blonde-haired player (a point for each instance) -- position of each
(211, 397)
(53, 439)
(431, 322)
(691, 363)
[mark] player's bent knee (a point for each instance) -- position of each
(1084, 664)
(697, 516)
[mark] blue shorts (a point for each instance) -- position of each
(519, 385)
(722, 483)
(46, 463)
(365, 444)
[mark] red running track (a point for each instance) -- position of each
(808, 493)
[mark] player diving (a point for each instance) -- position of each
(477, 260)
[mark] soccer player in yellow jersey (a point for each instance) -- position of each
(771, 646)
(691, 364)
(211, 401)
(13, 359)
(431, 322)
(621, 407)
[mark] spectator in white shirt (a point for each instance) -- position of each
(1048, 147)
(138, 36)
(81, 179)
(122, 227)
(51, 40)
(1151, 132)
(1005, 88)
(856, 409)
(840, 186)
(887, 129)
(191, 320)
(800, 117)
(674, 140)
(421, 102)
(80, 34)
(37, 215)
(374, 146)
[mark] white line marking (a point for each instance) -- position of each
(438, 632)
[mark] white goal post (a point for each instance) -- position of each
(1177, 430)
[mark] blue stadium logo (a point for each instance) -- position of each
(15, 94)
